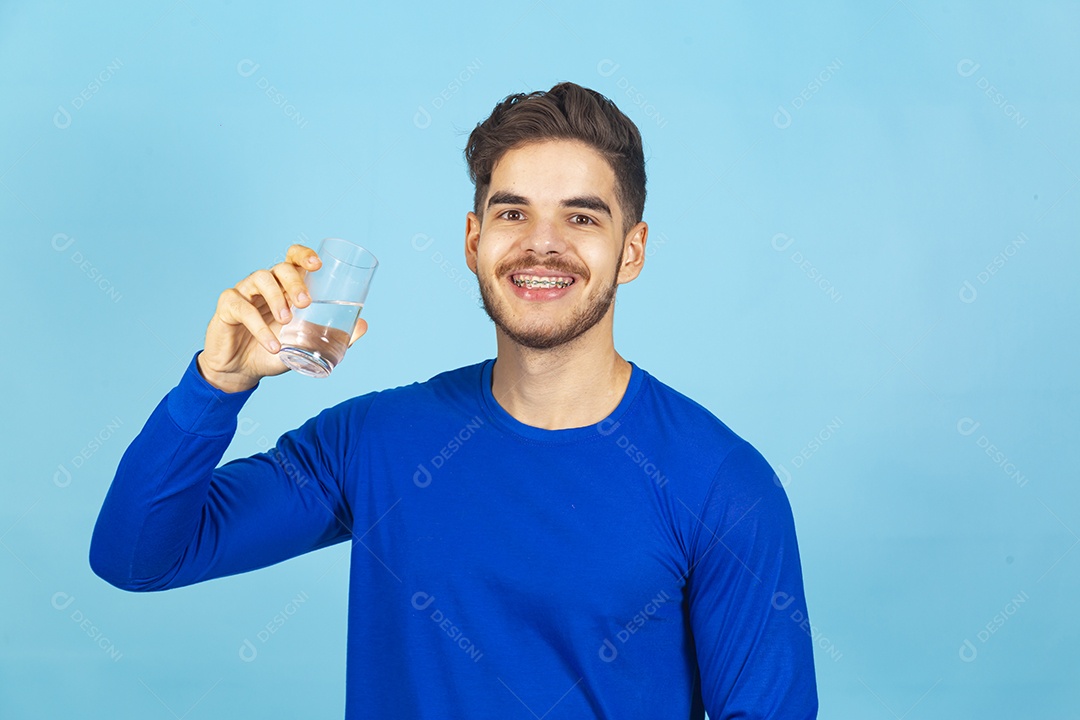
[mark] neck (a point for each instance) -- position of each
(570, 386)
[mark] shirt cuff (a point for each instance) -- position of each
(199, 408)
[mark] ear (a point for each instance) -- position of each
(633, 256)
(472, 240)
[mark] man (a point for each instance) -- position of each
(552, 533)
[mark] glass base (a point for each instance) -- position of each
(305, 362)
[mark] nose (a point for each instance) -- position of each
(545, 236)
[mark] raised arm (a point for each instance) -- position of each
(171, 516)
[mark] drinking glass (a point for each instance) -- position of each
(314, 341)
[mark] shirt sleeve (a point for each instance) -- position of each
(747, 609)
(172, 517)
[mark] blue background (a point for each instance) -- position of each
(861, 257)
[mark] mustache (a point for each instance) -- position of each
(555, 267)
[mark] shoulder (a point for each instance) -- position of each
(447, 387)
(716, 475)
(688, 421)
(391, 415)
(728, 463)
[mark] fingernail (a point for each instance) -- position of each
(274, 346)
(303, 297)
(284, 313)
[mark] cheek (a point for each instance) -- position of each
(605, 264)
(492, 248)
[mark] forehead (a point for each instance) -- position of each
(553, 169)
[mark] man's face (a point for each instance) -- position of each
(551, 212)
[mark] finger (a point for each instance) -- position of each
(358, 330)
(292, 279)
(303, 256)
(265, 284)
(235, 309)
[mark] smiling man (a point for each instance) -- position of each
(550, 533)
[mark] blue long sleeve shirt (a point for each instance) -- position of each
(642, 567)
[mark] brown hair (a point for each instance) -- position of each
(565, 112)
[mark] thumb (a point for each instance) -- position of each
(358, 330)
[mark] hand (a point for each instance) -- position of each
(242, 337)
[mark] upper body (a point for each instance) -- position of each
(585, 583)
(628, 568)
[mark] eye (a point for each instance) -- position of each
(588, 220)
(506, 213)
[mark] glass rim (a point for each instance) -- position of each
(366, 258)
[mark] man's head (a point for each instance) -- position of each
(566, 112)
(553, 233)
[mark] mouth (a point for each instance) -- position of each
(541, 285)
(541, 282)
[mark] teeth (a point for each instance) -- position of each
(534, 282)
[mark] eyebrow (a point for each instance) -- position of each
(588, 202)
